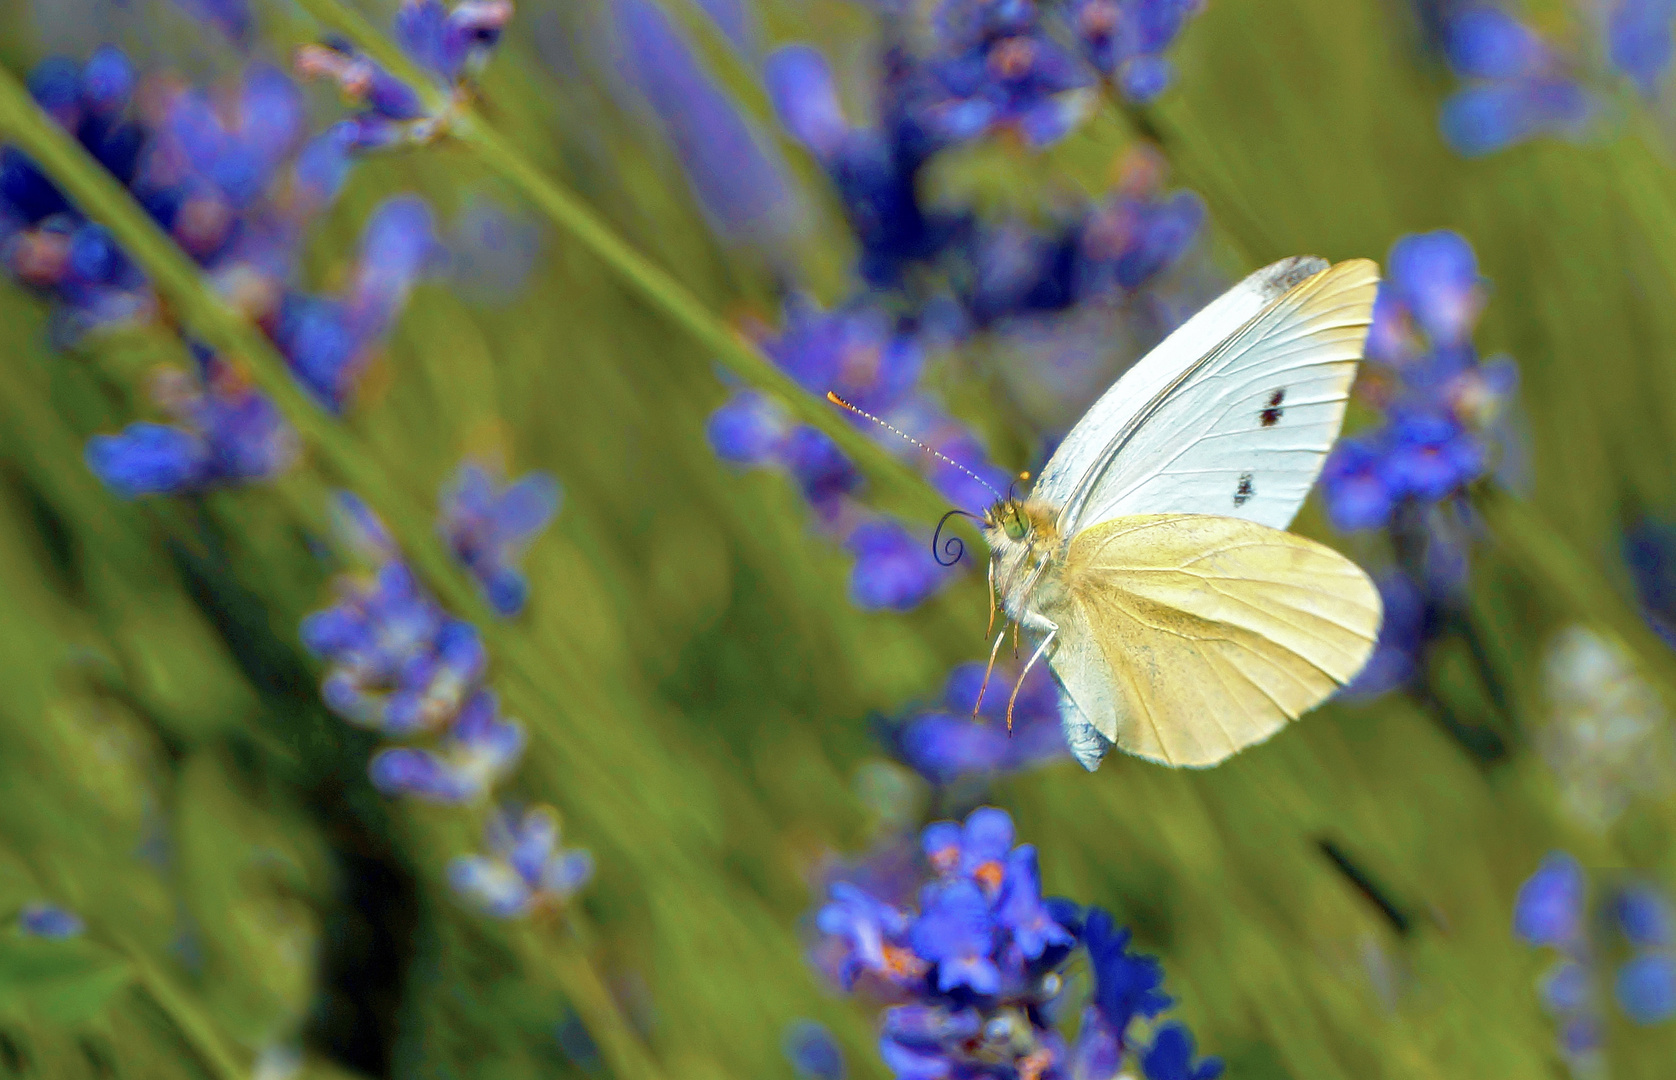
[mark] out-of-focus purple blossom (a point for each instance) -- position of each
(1550, 907)
(996, 68)
(1440, 401)
(1125, 40)
(1644, 916)
(950, 744)
(524, 870)
(50, 921)
(733, 170)
(976, 970)
(488, 523)
(857, 353)
(1522, 87)
(229, 433)
(894, 569)
(1638, 41)
(1649, 549)
(492, 251)
(480, 749)
(1397, 657)
(1646, 988)
(397, 662)
(805, 97)
(451, 42)
(813, 1052)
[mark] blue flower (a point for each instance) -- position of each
(805, 98)
(1644, 916)
(480, 749)
(489, 523)
(1396, 658)
(1486, 42)
(1646, 988)
(894, 570)
(813, 1052)
(1170, 1057)
(956, 932)
(1126, 985)
(525, 868)
(1021, 910)
(1549, 908)
(397, 661)
(49, 921)
(1127, 39)
(1639, 41)
(149, 459)
(873, 934)
(451, 42)
(1434, 277)
(748, 430)
(738, 179)
(998, 68)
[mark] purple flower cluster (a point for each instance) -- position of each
(488, 523)
(225, 432)
(1437, 398)
(525, 870)
(1636, 922)
(452, 43)
(963, 739)
(1519, 85)
(399, 664)
(231, 178)
(975, 973)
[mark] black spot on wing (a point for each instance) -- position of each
(1271, 415)
(1245, 491)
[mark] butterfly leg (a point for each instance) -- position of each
(992, 604)
(976, 705)
(1041, 650)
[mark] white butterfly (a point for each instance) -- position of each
(1181, 623)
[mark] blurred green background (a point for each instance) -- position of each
(705, 686)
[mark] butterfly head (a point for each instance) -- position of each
(1007, 515)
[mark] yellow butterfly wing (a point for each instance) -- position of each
(1185, 638)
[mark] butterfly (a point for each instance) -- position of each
(1181, 623)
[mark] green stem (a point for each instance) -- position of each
(898, 487)
(196, 1028)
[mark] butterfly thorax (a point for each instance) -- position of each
(1025, 547)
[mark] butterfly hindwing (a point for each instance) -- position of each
(1242, 431)
(1184, 638)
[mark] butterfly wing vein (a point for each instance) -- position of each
(1185, 638)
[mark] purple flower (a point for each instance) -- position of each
(748, 430)
(50, 921)
(149, 459)
(1644, 916)
(813, 1052)
(488, 523)
(1485, 42)
(1356, 485)
(1170, 1057)
(525, 868)
(856, 353)
(1021, 910)
(1549, 909)
(1434, 277)
(806, 100)
(1483, 119)
(1646, 988)
(956, 932)
(873, 934)
(480, 749)
(894, 570)
(735, 174)
(1396, 659)
(1639, 41)
(1126, 39)
(1126, 985)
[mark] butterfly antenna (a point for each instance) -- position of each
(944, 458)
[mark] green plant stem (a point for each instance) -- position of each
(1542, 553)
(897, 486)
(196, 1028)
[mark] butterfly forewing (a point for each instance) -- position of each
(1185, 638)
(1243, 431)
(1154, 373)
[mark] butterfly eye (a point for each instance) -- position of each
(1014, 524)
